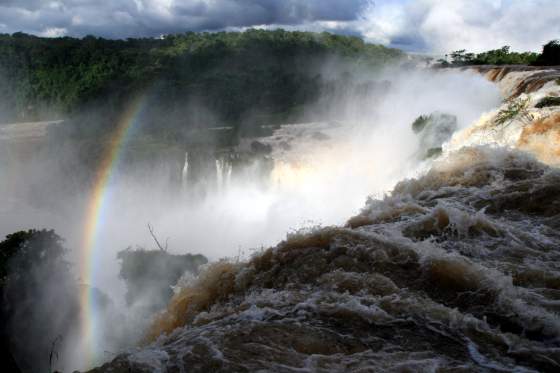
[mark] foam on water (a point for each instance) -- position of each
(455, 269)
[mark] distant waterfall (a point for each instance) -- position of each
(223, 173)
(219, 173)
(185, 172)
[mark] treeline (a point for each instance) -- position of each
(549, 56)
(231, 74)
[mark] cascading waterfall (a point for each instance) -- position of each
(185, 174)
(522, 121)
(219, 173)
(456, 268)
(223, 173)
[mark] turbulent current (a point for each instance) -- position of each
(457, 269)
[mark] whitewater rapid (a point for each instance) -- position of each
(457, 269)
(535, 129)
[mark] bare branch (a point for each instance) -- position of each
(152, 233)
(54, 353)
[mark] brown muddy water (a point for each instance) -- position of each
(455, 271)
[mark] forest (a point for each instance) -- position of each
(229, 74)
(549, 56)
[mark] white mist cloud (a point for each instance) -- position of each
(53, 32)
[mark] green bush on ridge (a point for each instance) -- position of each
(503, 56)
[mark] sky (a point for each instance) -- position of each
(429, 26)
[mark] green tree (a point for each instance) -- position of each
(550, 54)
(39, 296)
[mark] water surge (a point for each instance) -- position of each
(454, 270)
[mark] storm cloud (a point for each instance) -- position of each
(128, 18)
(414, 25)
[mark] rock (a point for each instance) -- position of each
(433, 130)
(319, 136)
(260, 148)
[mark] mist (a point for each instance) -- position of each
(317, 180)
(312, 172)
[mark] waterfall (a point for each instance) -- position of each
(229, 169)
(185, 172)
(219, 173)
(223, 172)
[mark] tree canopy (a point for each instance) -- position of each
(501, 56)
(550, 54)
(504, 56)
(231, 73)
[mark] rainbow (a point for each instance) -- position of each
(94, 218)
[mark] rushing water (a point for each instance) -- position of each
(457, 269)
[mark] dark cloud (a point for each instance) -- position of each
(125, 18)
(415, 25)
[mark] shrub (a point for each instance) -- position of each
(548, 101)
(550, 54)
(515, 108)
(150, 274)
(434, 152)
(419, 123)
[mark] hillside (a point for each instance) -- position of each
(189, 78)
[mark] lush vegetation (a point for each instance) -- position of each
(39, 303)
(548, 101)
(150, 274)
(550, 55)
(516, 109)
(433, 131)
(192, 78)
(420, 122)
(503, 56)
